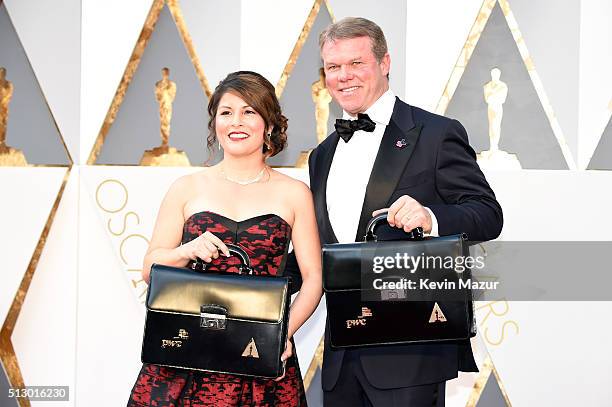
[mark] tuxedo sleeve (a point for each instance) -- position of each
(469, 202)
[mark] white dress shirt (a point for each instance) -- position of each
(350, 172)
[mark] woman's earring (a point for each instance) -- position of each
(269, 140)
(219, 145)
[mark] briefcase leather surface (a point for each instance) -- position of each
(225, 323)
(360, 315)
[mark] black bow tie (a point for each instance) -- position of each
(346, 128)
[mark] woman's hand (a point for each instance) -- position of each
(206, 247)
(286, 355)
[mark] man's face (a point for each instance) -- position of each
(353, 76)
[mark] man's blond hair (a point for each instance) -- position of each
(354, 27)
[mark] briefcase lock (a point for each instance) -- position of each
(213, 317)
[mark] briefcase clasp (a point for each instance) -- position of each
(213, 317)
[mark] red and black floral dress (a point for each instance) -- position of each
(265, 238)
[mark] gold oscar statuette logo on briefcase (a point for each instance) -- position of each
(437, 315)
(251, 350)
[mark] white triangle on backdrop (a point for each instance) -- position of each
(50, 304)
(260, 24)
(219, 57)
(433, 46)
(28, 194)
(253, 24)
(109, 33)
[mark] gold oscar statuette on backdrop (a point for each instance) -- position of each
(164, 155)
(321, 98)
(8, 156)
(495, 93)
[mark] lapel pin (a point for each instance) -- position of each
(401, 143)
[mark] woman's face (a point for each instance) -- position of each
(240, 129)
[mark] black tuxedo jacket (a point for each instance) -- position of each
(437, 167)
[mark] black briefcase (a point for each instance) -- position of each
(363, 312)
(224, 323)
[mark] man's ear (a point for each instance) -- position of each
(385, 64)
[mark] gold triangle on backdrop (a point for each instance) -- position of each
(468, 50)
(297, 49)
(12, 157)
(486, 370)
(130, 70)
(301, 161)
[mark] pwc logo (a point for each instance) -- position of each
(361, 319)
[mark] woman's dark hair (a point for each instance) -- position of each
(258, 93)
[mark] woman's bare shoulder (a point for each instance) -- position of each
(292, 186)
(187, 183)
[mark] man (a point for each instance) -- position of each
(419, 167)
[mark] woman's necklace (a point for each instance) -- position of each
(253, 180)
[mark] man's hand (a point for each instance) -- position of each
(406, 213)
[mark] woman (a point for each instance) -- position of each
(243, 201)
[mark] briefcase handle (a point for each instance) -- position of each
(237, 251)
(414, 234)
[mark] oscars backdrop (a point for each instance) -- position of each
(104, 104)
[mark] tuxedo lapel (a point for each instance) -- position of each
(322, 166)
(395, 150)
